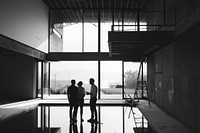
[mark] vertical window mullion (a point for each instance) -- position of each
(99, 47)
(42, 79)
(83, 32)
(122, 79)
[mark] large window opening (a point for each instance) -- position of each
(130, 77)
(106, 25)
(135, 80)
(46, 91)
(63, 72)
(90, 37)
(72, 38)
(117, 79)
(111, 79)
(42, 79)
(39, 79)
(89, 33)
(80, 35)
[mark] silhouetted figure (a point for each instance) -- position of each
(72, 93)
(93, 100)
(81, 95)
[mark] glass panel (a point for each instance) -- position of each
(143, 26)
(118, 21)
(105, 27)
(63, 72)
(39, 79)
(90, 37)
(131, 70)
(72, 38)
(91, 31)
(56, 37)
(111, 79)
(46, 79)
(145, 79)
(130, 78)
(130, 27)
(106, 23)
(74, 35)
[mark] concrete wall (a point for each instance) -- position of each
(174, 75)
(25, 21)
(174, 71)
(17, 78)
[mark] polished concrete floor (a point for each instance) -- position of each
(110, 119)
(48, 119)
(52, 116)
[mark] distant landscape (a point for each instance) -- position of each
(60, 86)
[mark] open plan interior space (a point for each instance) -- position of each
(99, 66)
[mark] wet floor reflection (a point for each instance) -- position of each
(55, 119)
(73, 128)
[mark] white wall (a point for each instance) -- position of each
(25, 21)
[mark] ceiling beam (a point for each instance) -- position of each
(90, 56)
(18, 47)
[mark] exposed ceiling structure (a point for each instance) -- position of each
(71, 11)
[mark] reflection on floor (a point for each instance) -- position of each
(55, 119)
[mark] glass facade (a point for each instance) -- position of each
(112, 84)
(89, 33)
(63, 72)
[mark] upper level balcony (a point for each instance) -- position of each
(137, 44)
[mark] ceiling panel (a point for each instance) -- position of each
(71, 11)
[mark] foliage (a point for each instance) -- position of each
(130, 79)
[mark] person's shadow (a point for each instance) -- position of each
(93, 127)
(81, 127)
(73, 128)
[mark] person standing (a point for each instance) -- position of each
(72, 93)
(81, 95)
(93, 100)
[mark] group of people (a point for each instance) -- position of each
(76, 99)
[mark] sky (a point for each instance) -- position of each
(72, 37)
